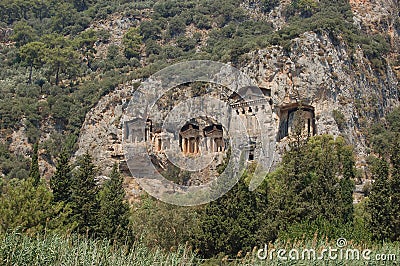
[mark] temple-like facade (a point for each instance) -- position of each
(195, 138)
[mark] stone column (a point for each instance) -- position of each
(190, 146)
(195, 146)
(183, 144)
(198, 145)
(159, 143)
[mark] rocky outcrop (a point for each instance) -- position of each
(380, 16)
(377, 16)
(101, 136)
(336, 81)
(116, 25)
(315, 72)
(5, 33)
(326, 76)
(101, 132)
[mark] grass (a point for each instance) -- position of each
(19, 249)
(390, 252)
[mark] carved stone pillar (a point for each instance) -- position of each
(199, 147)
(195, 146)
(191, 144)
(183, 145)
(159, 144)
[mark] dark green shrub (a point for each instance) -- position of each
(339, 119)
(268, 5)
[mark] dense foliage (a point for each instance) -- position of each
(384, 199)
(304, 190)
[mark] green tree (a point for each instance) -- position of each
(379, 205)
(231, 223)
(202, 21)
(132, 42)
(85, 42)
(306, 8)
(384, 199)
(34, 171)
(289, 188)
(393, 120)
(60, 56)
(113, 217)
(176, 27)
(347, 187)
(80, 5)
(61, 181)
(65, 15)
(150, 30)
(29, 207)
(84, 202)
(313, 183)
(32, 55)
(268, 5)
(168, 8)
(395, 189)
(112, 52)
(186, 43)
(328, 160)
(41, 9)
(164, 225)
(23, 34)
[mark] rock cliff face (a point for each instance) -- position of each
(380, 16)
(323, 75)
(342, 85)
(101, 134)
(315, 72)
(377, 16)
